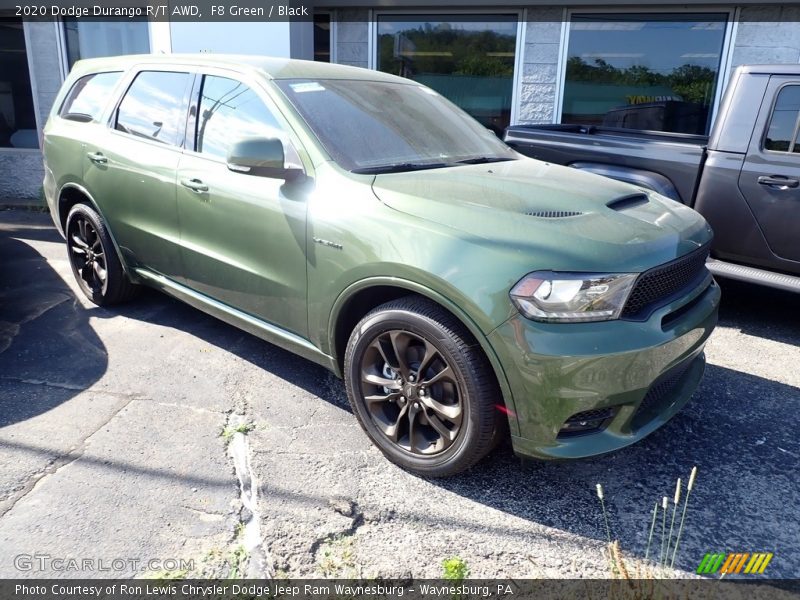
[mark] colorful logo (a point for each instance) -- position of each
(734, 563)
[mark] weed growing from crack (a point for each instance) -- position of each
(228, 432)
(455, 568)
(237, 559)
(338, 557)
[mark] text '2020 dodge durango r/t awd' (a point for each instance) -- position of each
(364, 222)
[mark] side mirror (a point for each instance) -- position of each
(262, 157)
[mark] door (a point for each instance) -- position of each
(131, 165)
(770, 177)
(243, 236)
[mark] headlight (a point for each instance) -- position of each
(572, 297)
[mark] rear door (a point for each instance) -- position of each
(243, 236)
(131, 165)
(770, 176)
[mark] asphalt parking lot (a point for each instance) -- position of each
(110, 447)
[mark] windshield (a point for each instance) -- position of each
(372, 126)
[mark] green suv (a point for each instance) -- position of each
(365, 223)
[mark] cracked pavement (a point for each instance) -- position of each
(110, 447)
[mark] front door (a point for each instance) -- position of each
(243, 237)
(770, 177)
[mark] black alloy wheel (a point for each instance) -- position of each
(422, 388)
(94, 259)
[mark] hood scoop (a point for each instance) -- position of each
(627, 202)
(554, 214)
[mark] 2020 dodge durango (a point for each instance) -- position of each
(462, 290)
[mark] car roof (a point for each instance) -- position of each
(271, 67)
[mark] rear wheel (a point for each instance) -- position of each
(93, 258)
(421, 388)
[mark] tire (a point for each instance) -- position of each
(433, 412)
(94, 259)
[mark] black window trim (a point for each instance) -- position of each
(133, 74)
(768, 123)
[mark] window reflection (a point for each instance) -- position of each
(782, 132)
(17, 117)
(231, 111)
(89, 96)
(643, 71)
(154, 107)
(467, 59)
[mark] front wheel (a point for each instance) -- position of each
(421, 388)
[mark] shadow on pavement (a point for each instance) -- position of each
(45, 335)
(740, 429)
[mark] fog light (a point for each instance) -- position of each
(589, 421)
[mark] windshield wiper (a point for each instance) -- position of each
(477, 160)
(401, 167)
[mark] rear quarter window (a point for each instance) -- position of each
(88, 96)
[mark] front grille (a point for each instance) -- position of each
(660, 285)
(653, 401)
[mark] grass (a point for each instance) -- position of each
(237, 559)
(658, 566)
(228, 432)
(338, 557)
(455, 569)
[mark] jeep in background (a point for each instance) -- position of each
(744, 178)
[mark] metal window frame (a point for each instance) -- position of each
(519, 46)
(726, 53)
(331, 31)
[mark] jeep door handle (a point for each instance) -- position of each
(97, 158)
(778, 181)
(195, 185)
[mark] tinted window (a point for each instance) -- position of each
(643, 71)
(155, 107)
(371, 124)
(322, 37)
(17, 117)
(468, 59)
(88, 96)
(782, 132)
(230, 111)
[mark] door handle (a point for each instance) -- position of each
(195, 185)
(779, 181)
(97, 158)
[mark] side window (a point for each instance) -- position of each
(154, 107)
(783, 125)
(230, 111)
(88, 96)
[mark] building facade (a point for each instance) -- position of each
(658, 67)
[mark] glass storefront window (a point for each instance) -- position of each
(647, 71)
(322, 37)
(467, 59)
(17, 116)
(95, 39)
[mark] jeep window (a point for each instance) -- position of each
(154, 107)
(230, 111)
(372, 126)
(784, 123)
(88, 96)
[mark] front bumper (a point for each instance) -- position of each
(639, 373)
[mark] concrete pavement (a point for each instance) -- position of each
(110, 447)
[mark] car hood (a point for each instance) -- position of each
(531, 204)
